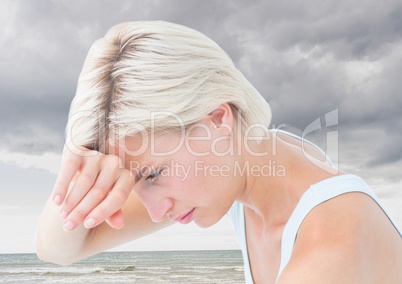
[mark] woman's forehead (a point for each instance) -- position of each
(147, 146)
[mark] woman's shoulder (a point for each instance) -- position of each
(347, 236)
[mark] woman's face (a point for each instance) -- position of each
(186, 177)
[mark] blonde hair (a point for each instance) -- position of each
(140, 68)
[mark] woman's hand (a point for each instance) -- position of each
(91, 188)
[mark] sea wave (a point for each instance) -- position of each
(67, 270)
(128, 267)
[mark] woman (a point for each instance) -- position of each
(165, 129)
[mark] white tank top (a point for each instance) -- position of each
(315, 195)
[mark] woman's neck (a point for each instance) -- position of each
(276, 181)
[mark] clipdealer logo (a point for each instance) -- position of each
(201, 169)
(321, 124)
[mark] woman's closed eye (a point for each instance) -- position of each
(153, 177)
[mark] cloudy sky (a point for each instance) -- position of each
(334, 62)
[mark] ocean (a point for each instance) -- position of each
(220, 266)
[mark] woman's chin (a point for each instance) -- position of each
(205, 223)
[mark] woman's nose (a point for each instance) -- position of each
(157, 207)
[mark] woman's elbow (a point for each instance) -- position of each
(52, 255)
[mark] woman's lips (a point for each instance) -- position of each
(187, 218)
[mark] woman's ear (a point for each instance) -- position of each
(222, 118)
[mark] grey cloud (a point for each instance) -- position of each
(349, 29)
(45, 43)
(41, 56)
(24, 187)
(33, 125)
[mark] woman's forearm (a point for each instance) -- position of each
(53, 243)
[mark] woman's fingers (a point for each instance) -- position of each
(105, 197)
(109, 208)
(90, 197)
(116, 221)
(69, 166)
(115, 200)
(83, 184)
(92, 187)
